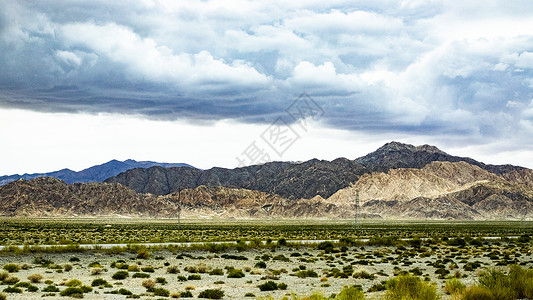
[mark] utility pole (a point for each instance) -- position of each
(522, 220)
(356, 221)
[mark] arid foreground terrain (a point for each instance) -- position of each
(439, 258)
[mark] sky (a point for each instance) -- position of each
(232, 83)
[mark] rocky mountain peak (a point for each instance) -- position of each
(429, 148)
(396, 146)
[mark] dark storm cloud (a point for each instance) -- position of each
(420, 67)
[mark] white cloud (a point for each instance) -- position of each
(68, 57)
(337, 22)
(143, 57)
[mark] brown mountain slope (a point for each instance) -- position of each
(50, 197)
(436, 178)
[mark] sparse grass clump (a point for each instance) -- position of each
(35, 278)
(409, 287)
(149, 284)
(353, 293)
(454, 286)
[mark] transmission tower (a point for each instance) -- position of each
(356, 221)
(179, 208)
(522, 220)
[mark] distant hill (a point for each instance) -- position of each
(93, 174)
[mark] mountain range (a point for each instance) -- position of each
(395, 181)
(93, 174)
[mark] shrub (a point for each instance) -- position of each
(35, 278)
(99, 282)
(124, 291)
(378, 287)
(326, 246)
(454, 286)
(11, 280)
(282, 242)
(268, 286)
(120, 275)
(73, 259)
(211, 294)
(235, 273)
(173, 270)
(306, 273)
(186, 294)
(249, 295)
(12, 268)
(282, 286)
(194, 277)
(75, 292)
(96, 271)
(3, 275)
(183, 278)
(143, 253)
(140, 275)
(13, 290)
(50, 289)
(23, 284)
(363, 275)
(351, 293)
(31, 288)
(148, 269)
(149, 284)
(73, 282)
(3, 296)
(161, 280)
(133, 268)
(517, 285)
(67, 267)
(96, 264)
(216, 272)
(161, 292)
(410, 287)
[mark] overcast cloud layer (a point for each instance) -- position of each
(462, 70)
